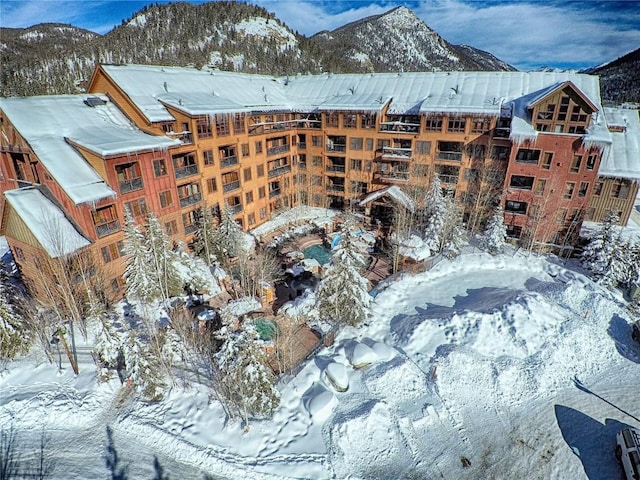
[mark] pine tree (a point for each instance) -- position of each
(245, 382)
(452, 235)
(138, 274)
(162, 258)
(492, 240)
(603, 255)
(206, 241)
(342, 296)
(434, 215)
(142, 367)
(109, 345)
(14, 338)
(229, 235)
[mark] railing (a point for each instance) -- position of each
(237, 208)
(391, 176)
(274, 193)
(278, 149)
(399, 127)
(107, 228)
(186, 137)
(190, 200)
(336, 147)
(130, 185)
(302, 146)
(229, 161)
(335, 187)
(228, 187)
(450, 179)
(451, 156)
(279, 171)
(186, 171)
(501, 132)
(335, 168)
(396, 153)
(189, 229)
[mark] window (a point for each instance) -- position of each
(475, 150)
(115, 284)
(433, 124)
(480, 125)
(129, 177)
(584, 188)
(189, 194)
(367, 165)
(165, 199)
(136, 208)
(451, 151)
(316, 161)
(501, 153)
(316, 140)
(349, 120)
(514, 231)
(159, 167)
(331, 120)
(248, 197)
(251, 219)
(547, 159)
(18, 253)
(106, 221)
(561, 215)
(259, 146)
(207, 156)
(369, 144)
(189, 222)
(569, 187)
(526, 155)
(260, 170)
(261, 192)
(521, 182)
(203, 126)
(245, 149)
(212, 185)
(620, 189)
(575, 163)
(355, 143)
(575, 215)
(512, 206)
(316, 180)
(112, 251)
(238, 125)
(222, 125)
(263, 213)
(456, 125)
(247, 174)
(591, 162)
(185, 165)
(368, 120)
(541, 183)
(422, 147)
(171, 227)
(597, 189)
(356, 164)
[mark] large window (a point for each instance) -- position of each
(422, 147)
(433, 124)
(513, 206)
(203, 125)
(136, 208)
(621, 189)
(238, 123)
(349, 120)
(129, 177)
(106, 221)
(569, 188)
(526, 155)
(521, 182)
(575, 163)
(451, 151)
(457, 125)
(159, 167)
(222, 125)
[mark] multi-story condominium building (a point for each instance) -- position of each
(175, 140)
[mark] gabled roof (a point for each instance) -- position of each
(623, 159)
(546, 92)
(395, 193)
(47, 122)
(46, 221)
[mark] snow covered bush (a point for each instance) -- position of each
(342, 296)
(14, 338)
(443, 231)
(605, 256)
(492, 241)
(108, 347)
(143, 368)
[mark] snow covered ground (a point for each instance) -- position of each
(483, 367)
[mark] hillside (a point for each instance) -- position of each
(620, 79)
(50, 59)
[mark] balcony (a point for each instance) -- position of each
(302, 146)
(130, 185)
(229, 161)
(335, 168)
(396, 153)
(336, 147)
(274, 193)
(302, 166)
(279, 171)
(448, 179)
(229, 187)
(335, 187)
(190, 200)
(185, 137)
(449, 156)
(189, 229)
(187, 171)
(391, 177)
(278, 149)
(107, 228)
(399, 127)
(236, 208)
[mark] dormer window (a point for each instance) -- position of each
(565, 111)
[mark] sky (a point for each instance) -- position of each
(525, 33)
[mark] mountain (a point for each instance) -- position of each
(395, 41)
(620, 79)
(52, 58)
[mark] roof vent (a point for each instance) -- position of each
(94, 101)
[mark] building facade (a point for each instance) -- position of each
(175, 140)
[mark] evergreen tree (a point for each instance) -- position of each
(452, 235)
(492, 240)
(229, 239)
(245, 382)
(108, 346)
(603, 255)
(443, 231)
(138, 273)
(342, 296)
(162, 258)
(14, 338)
(142, 367)
(206, 241)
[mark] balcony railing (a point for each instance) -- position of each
(335, 187)
(302, 146)
(228, 187)
(450, 179)
(399, 127)
(130, 185)
(229, 161)
(396, 153)
(186, 171)
(189, 229)
(190, 200)
(236, 208)
(278, 149)
(279, 171)
(391, 177)
(449, 156)
(274, 193)
(336, 147)
(107, 228)
(335, 168)
(186, 137)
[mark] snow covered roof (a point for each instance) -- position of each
(623, 159)
(46, 221)
(393, 191)
(46, 122)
